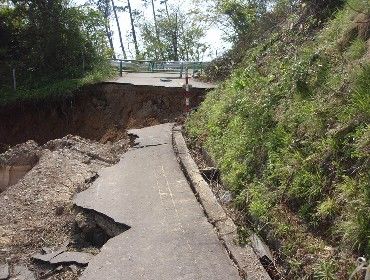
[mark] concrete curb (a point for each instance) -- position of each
(244, 258)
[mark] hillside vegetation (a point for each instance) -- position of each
(53, 47)
(289, 130)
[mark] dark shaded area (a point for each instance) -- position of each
(95, 229)
(100, 112)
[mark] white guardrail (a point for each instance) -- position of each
(127, 65)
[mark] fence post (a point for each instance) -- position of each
(14, 80)
(120, 68)
(181, 69)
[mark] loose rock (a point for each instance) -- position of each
(226, 198)
(260, 247)
(21, 272)
(4, 271)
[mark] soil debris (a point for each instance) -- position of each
(38, 212)
(16, 162)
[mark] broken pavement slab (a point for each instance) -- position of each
(21, 272)
(47, 257)
(170, 238)
(72, 258)
(62, 257)
(49, 253)
(4, 271)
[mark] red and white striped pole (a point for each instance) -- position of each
(187, 93)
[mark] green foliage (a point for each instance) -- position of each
(360, 97)
(242, 14)
(174, 36)
(54, 40)
(327, 208)
(260, 201)
(326, 271)
(355, 222)
(56, 89)
(290, 133)
(357, 49)
(54, 48)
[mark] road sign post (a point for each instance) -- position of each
(14, 81)
(187, 88)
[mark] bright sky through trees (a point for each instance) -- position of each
(214, 36)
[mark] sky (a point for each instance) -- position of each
(214, 36)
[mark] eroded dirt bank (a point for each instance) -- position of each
(99, 112)
(49, 151)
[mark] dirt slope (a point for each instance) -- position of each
(99, 112)
(37, 211)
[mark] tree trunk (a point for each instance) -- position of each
(175, 40)
(175, 55)
(109, 35)
(107, 27)
(185, 44)
(119, 30)
(133, 30)
(155, 27)
(166, 6)
(155, 20)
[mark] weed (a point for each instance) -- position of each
(356, 50)
(326, 270)
(328, 208)
(360, 97)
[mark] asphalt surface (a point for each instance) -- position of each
(170, 237)
(159, 79)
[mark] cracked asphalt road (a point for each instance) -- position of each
(154, 79)
(169, 236)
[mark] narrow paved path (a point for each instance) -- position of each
(159, 79)
(170, 238)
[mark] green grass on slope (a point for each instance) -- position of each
(51, 89)
(291, 136)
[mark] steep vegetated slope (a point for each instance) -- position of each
(289, 130)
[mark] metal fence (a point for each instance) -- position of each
(151, 66)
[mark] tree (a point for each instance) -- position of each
(51, 39)
(146, 27)
(133, 32)
(173, 28)
(179, 34)
(155, 20)
(119, 30)
(246, 20)
(105, 9)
